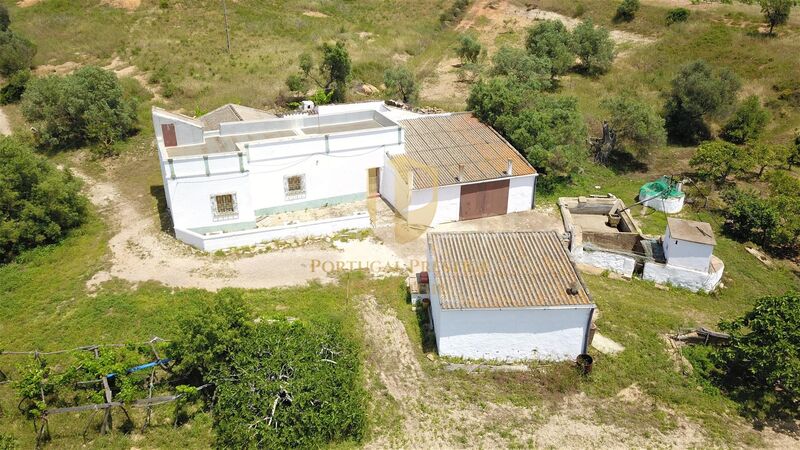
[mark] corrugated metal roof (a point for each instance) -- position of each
(442, 142)
(232, 113)
(689, 230)
(520, 269)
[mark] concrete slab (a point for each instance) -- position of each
(605, 345)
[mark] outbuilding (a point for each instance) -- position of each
(507, 296)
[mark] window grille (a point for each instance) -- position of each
(294, 186)
(224, 206)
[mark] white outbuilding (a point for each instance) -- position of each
(507, 296)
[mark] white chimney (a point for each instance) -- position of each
(509, 168)
(410, 180)
(460, 172)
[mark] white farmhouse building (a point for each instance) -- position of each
(228, 173)
(688, 251)
(507, 296)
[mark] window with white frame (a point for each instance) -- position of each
(224, 206)
(294, 186)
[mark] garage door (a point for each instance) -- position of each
(483, 199)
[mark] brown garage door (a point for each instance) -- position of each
(483, 199)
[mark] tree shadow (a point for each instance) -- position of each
(164, 218)
(621, 162)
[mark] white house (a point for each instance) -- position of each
(688, 251)
(507, 296)
(227, 172)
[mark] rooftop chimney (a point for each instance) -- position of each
(410, 180)
(509, 168)
(460, 172)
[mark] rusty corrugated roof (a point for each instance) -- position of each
(521, 269)
(442, 142)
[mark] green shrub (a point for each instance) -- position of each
(454, 13)
(747, 123)
(522, 67)
(16, 53)
(626, 11)
(5, 19)
(594, 47)
(469, 49)
(39, 204)
(87, 107)
(772, 222)
(15, 87)
(278, 384)
(639, 128)
(719, 159)
(550, 41)
(677, 15)
(761, 364)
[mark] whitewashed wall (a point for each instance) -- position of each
(186, 131)
(623, 265)
(692, 280)
(690, 255)
(433, 206)
(672, 205)
(191, 200)
(520, 193)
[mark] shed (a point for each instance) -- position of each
(507, 296)
(688, 244)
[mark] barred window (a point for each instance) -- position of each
(294, 186)
(224, 206)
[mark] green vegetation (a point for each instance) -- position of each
(469, 49)
(332, 76)
(677, 15)
(87, 107)
(776, 12)
(16, 53)
(454, 14)
(400, 82)
(626, 11)
(594, 47)
(638, 126)
(551, 41)
(718, 160)
(15, 87)
(747, 123)
(698, 92)
(39, 204)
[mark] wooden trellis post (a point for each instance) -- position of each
(107, 423)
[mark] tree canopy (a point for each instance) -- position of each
(698, 92)
(469, 49)
(87, 107)
(637, 125)
(626, 11)
(336, 68)
(39, 204)
(522, 67)
(747, 123)
(594, 47)
(719, 159)
(400, 81)
(16, 53)
(551, 41)
(776, 12)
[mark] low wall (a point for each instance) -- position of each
(623, 265)
(692, 280)
(213, 242)
(624, 242)
(671, 205)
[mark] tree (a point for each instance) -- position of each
(522, 67)
(747, 123)
(16, 53)
(761, 364)
(5, 19)
(749, 217)
(768, 155)
(720, 159)
(794, 150)
(296, 83)
(400, 81)
(336, 68)
(15, 87)
(776, 12)
(677, 15)
(698, 92)
(469, 49)
(626, 10)
(637, 125)
(551, 41)
(594, 47)
(87, 107)
(39, 204)
(492, 98)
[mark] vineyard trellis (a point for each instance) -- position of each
(34, 385)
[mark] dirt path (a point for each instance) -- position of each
(5, 125)
(130, 5)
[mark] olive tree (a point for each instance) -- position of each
(637, 125)
(776, 12)
(16, 53)
(719, 159)
(594, 48)
(698, 92)
(551, 41)
(469, 49)
(522, 67)
(747, 123)
(626, 10)
(400, 81)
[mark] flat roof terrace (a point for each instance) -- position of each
(293, 127)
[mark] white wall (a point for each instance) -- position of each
(623, 265)
(187, 131)
(690, 255)
(672, 205)
(435, 205)
(390, 189)
(191, 200)
(509, 334)
(520, 193)
(692, 280)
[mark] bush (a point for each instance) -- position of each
(776, 12)
(594, 47)
(639, 128)
(87, 107)
(16, 53)
(677, 15)
(760, 367)
(336, 68)
(492, 98)
(295, 83)
(522, 67)
(551, 41)
(698, 92)
(5, 19)
(747, 123)
(469, 49)
(400, 81)
(455, 12)
(718, 160)
(626, 10)
(15, 87)
(277, 384)
(772, 222)
(39, 204)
